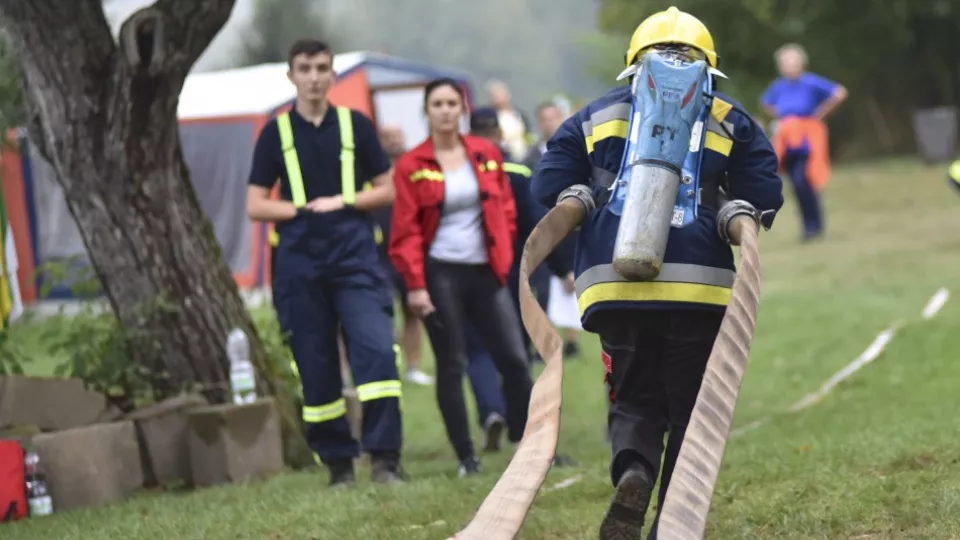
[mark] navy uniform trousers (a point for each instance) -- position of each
(313, 299)
(658, 358)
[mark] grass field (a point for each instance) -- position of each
(878, 458)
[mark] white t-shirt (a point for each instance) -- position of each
(460, 237)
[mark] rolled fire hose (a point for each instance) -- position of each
(691, 488)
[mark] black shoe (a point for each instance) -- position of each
(341, 474)
(386, 469)
(469, 467)
(625, 515)
(571, 349)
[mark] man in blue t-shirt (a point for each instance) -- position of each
(799, 93)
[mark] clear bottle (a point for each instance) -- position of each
(243, 380)
(38, 498)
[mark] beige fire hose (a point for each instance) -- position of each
(688, 500)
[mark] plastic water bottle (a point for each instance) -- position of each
(243, 380)
(38, 498)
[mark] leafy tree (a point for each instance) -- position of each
(895, 56)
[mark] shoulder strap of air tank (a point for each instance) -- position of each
(294, 176)
(348, 186)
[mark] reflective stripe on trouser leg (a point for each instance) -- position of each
(363, 304)
(304, 313)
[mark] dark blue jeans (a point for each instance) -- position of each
(484, 377)
(807, 196)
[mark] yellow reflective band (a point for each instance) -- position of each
(379, 390)
(294, 176)
(718, 143)
(348, 186)
(274, 237)
(516, 168)
(653, 291)
(491, 165)
(426, 174)
(613, 128)
(325, 413)
(377, 234)
(955, 171)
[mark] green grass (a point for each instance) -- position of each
(878, 458)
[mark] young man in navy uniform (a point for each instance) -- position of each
(327, 272)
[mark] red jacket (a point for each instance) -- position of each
(418, 182)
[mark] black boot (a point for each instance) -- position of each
(386, 469)
(341, 473)
(625, 515)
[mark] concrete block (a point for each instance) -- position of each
(234, 443)
(164, 443)
(92, 465)
(51, 404)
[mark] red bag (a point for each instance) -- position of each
(13, 491)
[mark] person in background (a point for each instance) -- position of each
(800, 101)
(513, 123)
(326, 269)
(451, 238)
(480, 368)
(393, 141)
(485, 122)
(549, 118)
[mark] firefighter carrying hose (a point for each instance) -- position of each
(656, 334)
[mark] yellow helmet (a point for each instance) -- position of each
(672, 26)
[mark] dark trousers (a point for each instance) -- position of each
(470, 294)
(312, 306)
(484, 377)
(657, 363)
(807, 197)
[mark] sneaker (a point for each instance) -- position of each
(386, 470)
(418, 377)
(492, 432)
(571, 349)
(341, 474)
(628, 508)
(469, 467)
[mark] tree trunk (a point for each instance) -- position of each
(105, 114)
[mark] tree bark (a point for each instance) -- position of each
(104, 113)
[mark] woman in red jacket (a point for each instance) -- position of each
(452, 233)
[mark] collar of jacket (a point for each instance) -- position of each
(479, 150)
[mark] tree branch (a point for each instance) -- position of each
(170, 35)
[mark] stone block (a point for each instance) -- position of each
(234, 443)
(91, 465)
(51, 404)
(164, 443)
